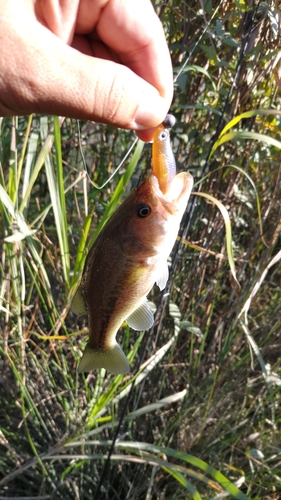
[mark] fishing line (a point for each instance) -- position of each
(85, 168)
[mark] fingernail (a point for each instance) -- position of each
(151, 111)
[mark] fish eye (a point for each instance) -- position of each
(143, 210)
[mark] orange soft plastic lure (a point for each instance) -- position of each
(163, 160)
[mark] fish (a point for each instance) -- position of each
(129, 256)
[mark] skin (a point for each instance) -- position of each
(100, 60)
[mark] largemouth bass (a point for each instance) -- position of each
(129, 256)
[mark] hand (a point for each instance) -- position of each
(101, 60)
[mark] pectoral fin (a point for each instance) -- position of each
(78, 304)
(112, 359)
(142, 318)
(163, 276)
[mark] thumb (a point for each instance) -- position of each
(108, 92)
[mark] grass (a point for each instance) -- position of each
(199, 415)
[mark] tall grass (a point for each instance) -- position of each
(199, 415)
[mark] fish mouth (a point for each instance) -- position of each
(175, 191)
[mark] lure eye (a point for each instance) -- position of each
(143, 210)
(164, 134)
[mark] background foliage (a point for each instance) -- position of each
(199, 415)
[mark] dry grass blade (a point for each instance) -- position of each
(228, 232)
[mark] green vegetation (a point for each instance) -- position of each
(201, 416)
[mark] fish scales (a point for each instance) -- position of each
(128, 257)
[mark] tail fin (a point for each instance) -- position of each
(112, 359)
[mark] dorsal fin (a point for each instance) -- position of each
(78, 304)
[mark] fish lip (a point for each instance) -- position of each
(169, 204)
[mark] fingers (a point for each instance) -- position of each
(63, 81)
(128, 85)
